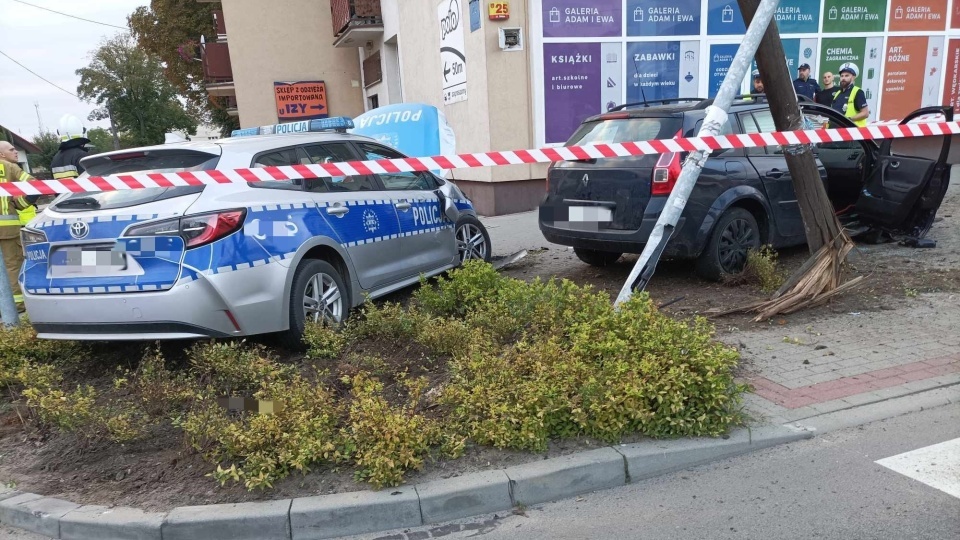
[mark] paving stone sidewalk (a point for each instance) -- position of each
(850, 359)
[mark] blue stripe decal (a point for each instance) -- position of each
(270, 234)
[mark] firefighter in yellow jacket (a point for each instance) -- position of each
(15, 212)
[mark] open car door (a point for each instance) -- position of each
(907, 182)
(846, 162)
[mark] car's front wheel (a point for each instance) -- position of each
(734, 236)
(473, 242)
(318, 295)
(597, 258)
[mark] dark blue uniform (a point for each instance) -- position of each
(807, 88)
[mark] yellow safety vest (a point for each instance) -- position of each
(25, 211)
(851, 108)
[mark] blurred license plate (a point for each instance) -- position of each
(77, 262)
(594, 214)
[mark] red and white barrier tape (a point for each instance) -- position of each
(469, 161)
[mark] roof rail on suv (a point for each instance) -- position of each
(648, 102)
(707, 102)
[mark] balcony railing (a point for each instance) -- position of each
(216, 63)
(348, 14)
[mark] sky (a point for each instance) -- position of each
(54, 46)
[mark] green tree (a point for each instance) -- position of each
(48, 143)
(171, 30)
(129, 82)
(101, 140)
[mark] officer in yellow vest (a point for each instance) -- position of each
(14, 213)
(849, 99)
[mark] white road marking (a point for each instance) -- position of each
(938, 466)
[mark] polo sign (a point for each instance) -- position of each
(453, 62)
(301, 100)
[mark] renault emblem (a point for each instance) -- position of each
(79, 230)
(586, 180)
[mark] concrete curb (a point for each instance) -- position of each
(105, 523)
(363, 512)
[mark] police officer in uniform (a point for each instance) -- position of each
(757, 88)
(14, 213)
(73, 137)
(803, 85)
(850, 99)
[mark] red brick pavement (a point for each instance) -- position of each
(858, 384)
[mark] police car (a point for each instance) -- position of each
(238, 259)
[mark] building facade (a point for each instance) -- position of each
(23, 146)
(522, 74)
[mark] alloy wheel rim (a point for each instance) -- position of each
(735, 241)
(322, 300)
(470, 243)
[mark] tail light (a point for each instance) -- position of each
(666, 172)
(29, 237)
(197, 230)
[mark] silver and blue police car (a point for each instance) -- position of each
(239, 259)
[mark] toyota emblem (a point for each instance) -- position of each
(79, 230)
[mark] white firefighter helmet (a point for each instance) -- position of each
(71, 128)
(851, 68)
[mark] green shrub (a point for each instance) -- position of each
(389, 321)
(235, 368)
(525, 363)
(159, 390)
(64, 411)
(762, 269)
(571, 364)
(386, 440)
(449, 337)
(20, 345)
(324, 341)
(264, 448)
(125, 426)
(78, 411)
(460, 292)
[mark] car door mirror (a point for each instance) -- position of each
(448, 202)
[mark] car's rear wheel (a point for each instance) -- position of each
(318, 295)
(594, 257)
(734, 236)
(473, 242)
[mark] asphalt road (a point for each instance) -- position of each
(829, 487)
(9, 533)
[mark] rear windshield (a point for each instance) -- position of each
(623, 130)
(163, 161)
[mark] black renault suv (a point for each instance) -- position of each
(744, 198)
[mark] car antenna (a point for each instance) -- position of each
(636, 71)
